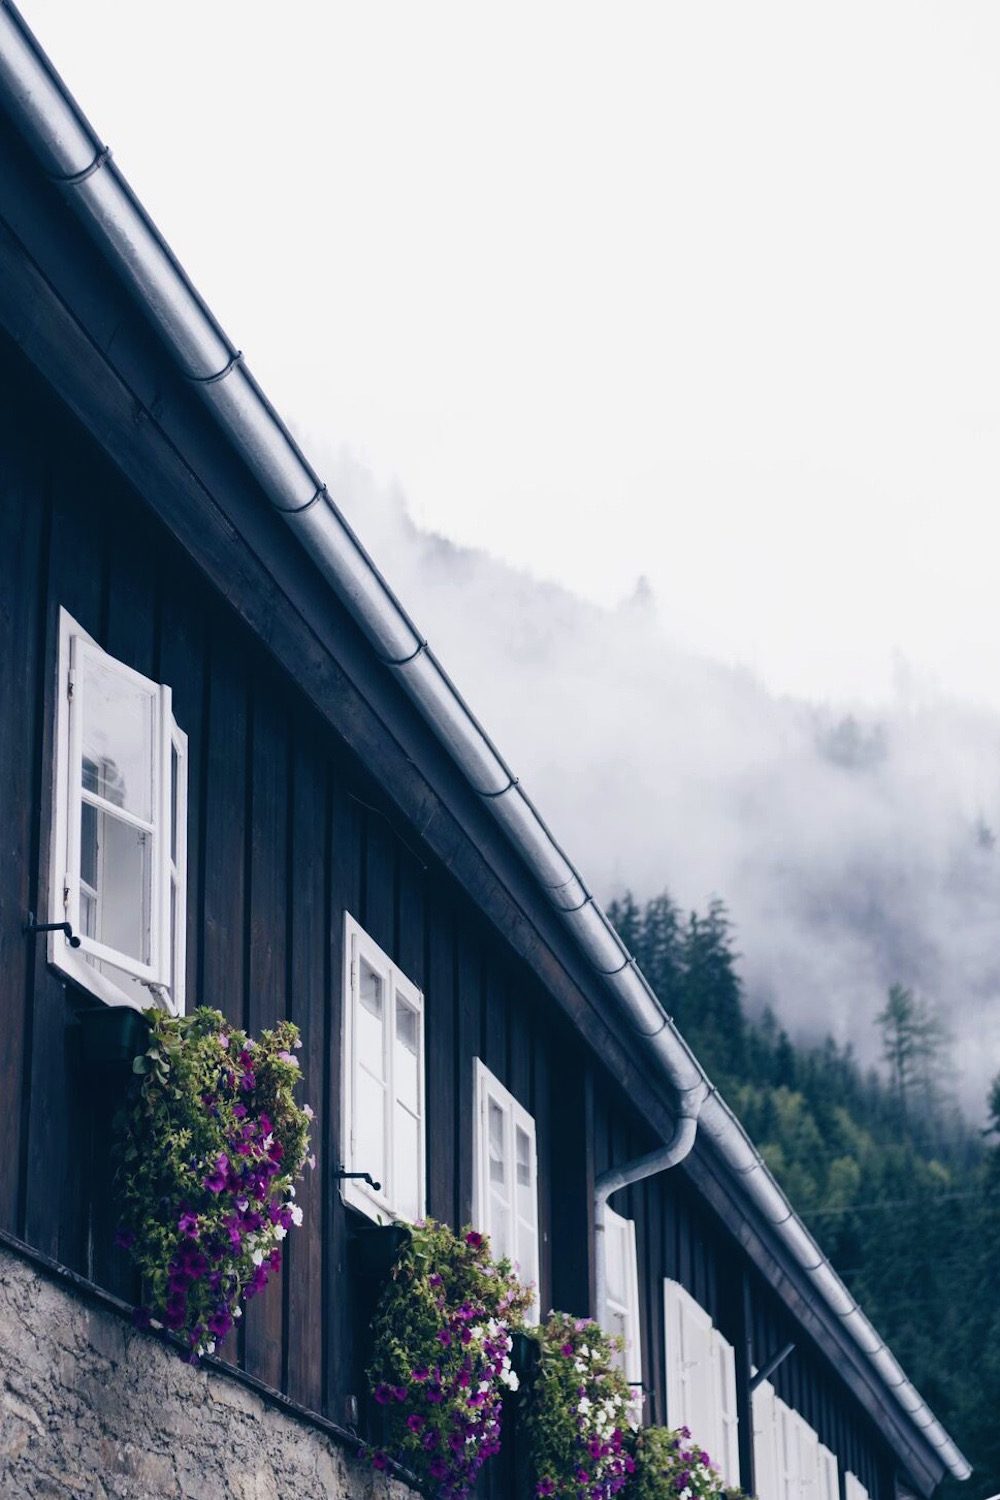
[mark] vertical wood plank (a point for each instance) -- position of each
(24, 522)
(344, 895)
(380, 883)
(129, 635)
(469, 990)
(307, 890)
(439, 1005)
(541, 1093)
(55, 1209)
(223, 849)
(267, 970)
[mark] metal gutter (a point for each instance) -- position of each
(661, 1159)
(73, 156)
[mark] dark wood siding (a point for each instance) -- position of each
(678, 1236)
(286, 832)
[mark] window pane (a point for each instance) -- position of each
(118, 739)
(406, 1162)
(371, 1043)
(615, 1268)
(116, 859)
(499, 1228)
(525, 1193)
(498, 1173)
(407, 1070)
(525, 1251)
(369, 1127)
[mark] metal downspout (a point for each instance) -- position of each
(660, 1160)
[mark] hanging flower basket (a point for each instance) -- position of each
(577, 1420)
(211, 1143)
(441, 1357)
(375, 1248)
(673, 1466)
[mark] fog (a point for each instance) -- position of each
(853, 849)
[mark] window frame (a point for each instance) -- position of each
(166, 959)
(487, 1086)
(356, 1193)
(632, 1354)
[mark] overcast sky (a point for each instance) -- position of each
(704, 292)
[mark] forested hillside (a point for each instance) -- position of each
(901, 1192)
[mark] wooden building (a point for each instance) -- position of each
(229, 761)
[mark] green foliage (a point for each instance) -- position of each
(901, 1193)
(671, 1466)
(441, 1356)
(577, 1416)
(208, 1148)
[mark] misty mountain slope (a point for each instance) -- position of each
(852, 852)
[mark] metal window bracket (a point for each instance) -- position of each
(32, 925)
(771, 1366)
(364, 1176)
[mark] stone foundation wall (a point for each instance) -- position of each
(91, 1407)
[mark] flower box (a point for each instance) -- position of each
(375, 1248)
(113, 1036)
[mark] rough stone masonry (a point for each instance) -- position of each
(91, 1407)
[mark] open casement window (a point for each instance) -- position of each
(701, 1379)
(506, 1178)
(383, 1106)
(620, 1315)
(119, 829)
(768, 1466)
(853, 1488)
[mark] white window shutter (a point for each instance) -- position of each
(829, 1479)
(727, 1441)
(620, 1316)
(788, 1451)
(691, 1380)
(677, 1410)
(383, 1114)
(505, 1186)
(809, 1471)
(767, 1470)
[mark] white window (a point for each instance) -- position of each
(701, 1380)
(505, 1183)
(383, 1083)
(119, 832)
(620, 1315)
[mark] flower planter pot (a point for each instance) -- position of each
(525, 1357)
(113, 1037)
(375, 1248)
